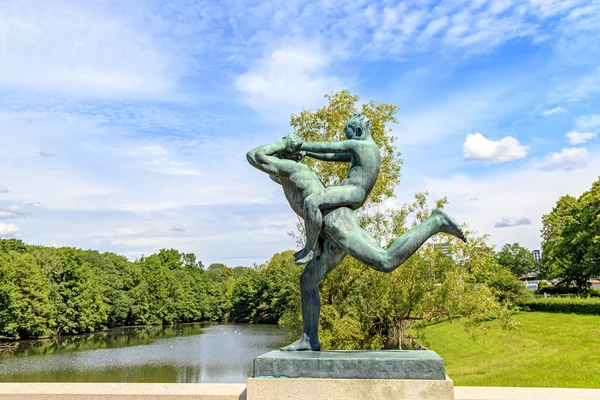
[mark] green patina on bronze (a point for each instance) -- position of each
(333, 227)
(351, 364)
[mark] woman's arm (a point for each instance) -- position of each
(340, 157)
(346, 146)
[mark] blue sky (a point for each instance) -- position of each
(124, 125)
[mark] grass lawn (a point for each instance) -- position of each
(546, 350)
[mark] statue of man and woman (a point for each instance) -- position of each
(332, 226)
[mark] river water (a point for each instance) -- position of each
(181, 353)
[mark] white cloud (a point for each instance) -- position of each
(590, 122)
(12, 211)
(79, 48)
(567, 159)
(577, 88)
(550, 8)
(3, 190)
(479, 148)
(451, 116)
(510, 221)
(288, 79)
(580, 137)
(556, 110)
(8, 229)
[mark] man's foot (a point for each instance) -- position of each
(306, 258)
(448, 225)
(302, 344)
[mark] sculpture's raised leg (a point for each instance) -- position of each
(345, 229)
(315, 270)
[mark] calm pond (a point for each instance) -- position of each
(181, 353)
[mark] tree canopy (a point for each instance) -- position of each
(517, 259)
(571, 239)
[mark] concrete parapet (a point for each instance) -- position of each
(521, 393)
(348, 389)
(124, 391)
(282, 389)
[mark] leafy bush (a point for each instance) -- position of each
(556, 289)
(508, 289)
(589, 305)
(594, 292)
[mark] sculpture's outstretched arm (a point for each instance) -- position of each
(339, 157)
(347, 146)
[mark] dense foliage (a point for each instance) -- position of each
(266, 292)
(47, 291)
(575, 305)
(517, 259)
(571, 239)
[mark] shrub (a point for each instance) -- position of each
(508, 289)
(556, 290)
(589, 305)
(594, 293)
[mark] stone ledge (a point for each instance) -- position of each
(348, 389)
(235, 391)
(523, 393)
(125, 391)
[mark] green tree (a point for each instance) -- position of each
(25, 307)
(265, 293)
(17, 245)
(516, 259)
(81, 307)
(507, 288)
(571, 239)
(218, 272)
(116, 279)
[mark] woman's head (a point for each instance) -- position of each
(358, 127)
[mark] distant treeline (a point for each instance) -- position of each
(46, 291)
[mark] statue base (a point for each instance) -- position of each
(348, 389)
(353, 364)
(350, 375)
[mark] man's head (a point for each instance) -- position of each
(358, 127)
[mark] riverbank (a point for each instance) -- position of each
(175, 354)
(4, 340)
(546, 350)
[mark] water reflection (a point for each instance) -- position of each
(184, 353)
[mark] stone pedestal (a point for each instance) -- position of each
(348, 389)
(350, 375)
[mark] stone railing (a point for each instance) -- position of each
(237, 391)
